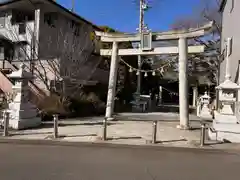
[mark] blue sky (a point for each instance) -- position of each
(123, 14)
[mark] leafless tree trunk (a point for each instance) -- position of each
(65, 54)
(210, 59)
(62, 54)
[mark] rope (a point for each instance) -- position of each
(160, 69)
(174, 93)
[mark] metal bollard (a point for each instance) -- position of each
(154, 132)
(203, 133)
(104, 135)
(55, 124)
(6, 123)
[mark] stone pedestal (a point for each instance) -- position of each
(228, 97)
(23, 114)
(141, 103)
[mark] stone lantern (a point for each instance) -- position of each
(205, 99)
(225, 126)
(23, 114)
(204, 106)
(228, 92)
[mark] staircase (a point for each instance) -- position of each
(5, 83)
(36, 93)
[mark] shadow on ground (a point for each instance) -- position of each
(124, 137)
(79, 135)
(62, 136)
(29, 133)
(209, 143)
(173, 108)
(171, 141)
(50, 124)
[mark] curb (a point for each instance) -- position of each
(108, 144)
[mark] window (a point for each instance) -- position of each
(75, 28)
(50, 19)
(1, 53)
(21, 17)
(56, 86)
(72, 24)
(22, 28)
(77, 31)
(2, 19)
(18, 17)
(20, 52)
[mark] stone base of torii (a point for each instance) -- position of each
(183, 50)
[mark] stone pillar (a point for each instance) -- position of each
(115, 84)
(112, 82)
(238, 94)
(195, 95)
(160, 94)
(139, 76)
(228, 69)
(183, 84)
(36, 32)
(35, 41)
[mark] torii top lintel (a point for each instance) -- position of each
(169, 35)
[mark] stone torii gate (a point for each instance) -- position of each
(146, 40)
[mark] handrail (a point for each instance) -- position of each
(5, 83)
(35, 88)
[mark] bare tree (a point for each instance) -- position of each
(62, 58)
(208, 61)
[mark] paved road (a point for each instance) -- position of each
(41, 162)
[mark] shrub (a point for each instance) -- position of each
(54, 104)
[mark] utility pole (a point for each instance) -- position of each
(141, 24)
(73, 4)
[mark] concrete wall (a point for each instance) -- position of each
(231, 28)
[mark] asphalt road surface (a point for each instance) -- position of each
(42, 162)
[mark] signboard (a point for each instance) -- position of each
(146, 41)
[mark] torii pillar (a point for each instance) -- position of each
(183, 84)
(112, 82)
